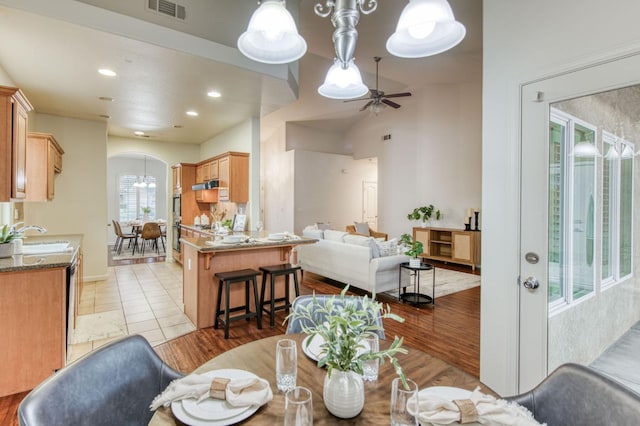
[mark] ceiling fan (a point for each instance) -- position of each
(377, 98)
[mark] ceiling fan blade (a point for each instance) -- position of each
(366, 106)
(358, 99)
(398, 95)
(374, 92)
(391, 103)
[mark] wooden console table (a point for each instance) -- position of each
(450, 245)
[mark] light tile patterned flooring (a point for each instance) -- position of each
(148, 294)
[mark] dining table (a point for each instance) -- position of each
(259, 358)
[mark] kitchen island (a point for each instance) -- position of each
(37, 307)
(203, 257)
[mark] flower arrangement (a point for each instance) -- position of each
(342, 323)
(146, 210)
(8, 234)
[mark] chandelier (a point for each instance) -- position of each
(425, 28)
(143, 182)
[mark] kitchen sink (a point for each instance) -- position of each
(45, 247)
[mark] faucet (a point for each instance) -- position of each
(21, 230)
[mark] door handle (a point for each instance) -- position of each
(531, 283)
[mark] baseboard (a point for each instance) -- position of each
(90, 278)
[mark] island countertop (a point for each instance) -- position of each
(24, 262)
(255, 240)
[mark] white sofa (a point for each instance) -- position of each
(351, 259)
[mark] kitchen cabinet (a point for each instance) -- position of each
(450, 245)
(14, 109)
(233, 174)
(213, 169)
(44, 162)
(202, 172)
(177, 181)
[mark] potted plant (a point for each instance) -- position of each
(145, 212)
(414, 249)
(7, 236)
(424, 213)
(342, 323)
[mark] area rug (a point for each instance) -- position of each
(127, 253)
(99, 326)
(447, 282)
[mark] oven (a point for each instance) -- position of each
(176, 236)
(177, 209)
(71, 298)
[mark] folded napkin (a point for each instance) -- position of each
(480, 408)
(237, 392)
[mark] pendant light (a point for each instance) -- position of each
(343, 83)
(425, 28)
(272, 36)
(144, 182)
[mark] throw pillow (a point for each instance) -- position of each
(375, 252)
(362, 228)
(388, 248)
(333, 235)
(323, 226)
(358, 240)
(313, 232)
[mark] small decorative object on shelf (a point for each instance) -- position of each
(7, 237)
(476, 212)
(415, 248)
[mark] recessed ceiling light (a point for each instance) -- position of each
(106, 98)
(192, 113)
(138, 133)
(107, 72)
(214, 94)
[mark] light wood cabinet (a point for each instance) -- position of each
(177, 181)
(44, 161)
(14, 109)
(213, 169)
(450, 245)
(233, 174)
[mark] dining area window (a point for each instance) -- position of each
(137, 197)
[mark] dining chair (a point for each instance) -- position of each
(115, 231)
(151, 233)
(123, 236)
(113, 385)
(296, 325)
(577, 395)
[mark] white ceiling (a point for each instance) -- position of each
(166, 66)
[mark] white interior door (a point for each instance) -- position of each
(370, 204)
(539, 262)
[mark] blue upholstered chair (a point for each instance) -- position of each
(577, 395)
(113, 385)
(296, 325)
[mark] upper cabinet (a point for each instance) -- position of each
(14, 108)
(44, 161)
(233, 174)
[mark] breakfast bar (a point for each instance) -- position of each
(205, 256)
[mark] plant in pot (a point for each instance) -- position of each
(414, 248)
(424, 213)
(342, 323)
(7, 236)
(145, 212)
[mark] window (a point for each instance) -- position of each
(134, 198)
(573, 206)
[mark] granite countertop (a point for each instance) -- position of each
(254, 240)
(25, 262)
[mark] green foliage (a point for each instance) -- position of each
(424, 213)
(415, 247)
(146, 210)
(227, 223)
(343, 323)
(7, 235)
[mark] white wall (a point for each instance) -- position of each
(80, 204)
(316, 139)
(277, 179)
(433, 157)
(328, 188)
(524, 41)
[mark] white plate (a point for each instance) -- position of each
(234, 239)
(214, 412)
(276, 237)
(315, 352)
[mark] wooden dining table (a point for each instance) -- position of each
(258, 357)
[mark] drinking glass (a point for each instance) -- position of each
(286, 364)
(400, 415)
(298, 407)
(370, 367)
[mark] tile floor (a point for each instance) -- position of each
(147, 295)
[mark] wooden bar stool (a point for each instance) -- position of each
(225, 279)
(274, 271)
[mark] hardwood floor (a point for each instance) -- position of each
(450, 331)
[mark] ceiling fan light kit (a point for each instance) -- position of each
(343, 83)
(272, 36)
(425, 28)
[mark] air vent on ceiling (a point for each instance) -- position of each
(168, 8)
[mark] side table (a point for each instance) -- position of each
(415, 297)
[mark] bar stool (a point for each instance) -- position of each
(275, 271)
(225, 280)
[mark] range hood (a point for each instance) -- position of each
(211, 184)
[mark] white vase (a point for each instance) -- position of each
(343, 393)
(6, 249)
(414, 262)
(424, 224)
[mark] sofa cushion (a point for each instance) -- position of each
(362, 228)
(388, 248)
(323, 226)
(333, 235)
(312, 231)
(358, 240)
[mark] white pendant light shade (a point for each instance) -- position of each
(584, 150)
(425, 28)
(343, 83)
(272, 36)
(627, 152)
